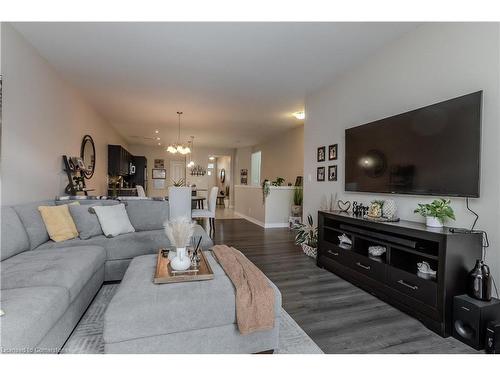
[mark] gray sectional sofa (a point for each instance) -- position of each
(47, 286)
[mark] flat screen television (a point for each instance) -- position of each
(434, 150)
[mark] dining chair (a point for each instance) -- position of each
(210, 213)
(179, 201)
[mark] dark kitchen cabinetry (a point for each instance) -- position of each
(393, 276)
(119, 160)
(140, 176)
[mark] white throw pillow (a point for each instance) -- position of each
(114, 220)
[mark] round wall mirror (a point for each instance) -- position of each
(87, 153)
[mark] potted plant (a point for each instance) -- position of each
(307, 237)
(436, 213)
(297, 201)
(226, 198)
(279, 181)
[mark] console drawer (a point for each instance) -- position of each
(335, 253)
(366, 266)
(413, 286)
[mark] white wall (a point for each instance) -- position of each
(434, 63)
(274, 213)
(43, 119)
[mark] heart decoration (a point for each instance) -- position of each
(344, 206)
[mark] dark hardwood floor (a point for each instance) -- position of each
(338, 316)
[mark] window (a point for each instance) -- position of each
(255, 168)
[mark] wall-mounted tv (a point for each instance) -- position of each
(434, 150)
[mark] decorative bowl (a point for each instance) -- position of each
(376, 251)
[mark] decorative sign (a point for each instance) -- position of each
(159, 163)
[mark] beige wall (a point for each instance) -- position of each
(43, 119)
(437, 61)
(282, 156)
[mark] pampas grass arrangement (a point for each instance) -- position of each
(179, 231)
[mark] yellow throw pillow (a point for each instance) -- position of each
(59, 223)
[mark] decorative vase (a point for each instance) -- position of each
(479, 282)
(181, 262)
(433, 222)
(296, 210)
(171, 255)
(226, 203)
(389, 209)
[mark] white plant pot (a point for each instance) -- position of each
(181, 262)
(296, 210)
(433, 222)
(226, 203)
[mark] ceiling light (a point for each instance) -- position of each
(299, 115)
(157, 138)
(157, 131)
(211, 158)
(159, 144)
(178, 147)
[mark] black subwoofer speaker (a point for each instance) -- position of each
(470, 318)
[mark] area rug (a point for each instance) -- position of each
(87, 336)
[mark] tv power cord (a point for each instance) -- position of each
(486, 242)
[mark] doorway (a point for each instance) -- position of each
(177, 171)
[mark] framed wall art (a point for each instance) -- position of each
(321, 153)
(332, 152)
(159, 174)
(320, 174)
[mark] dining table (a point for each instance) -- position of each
(197, 202)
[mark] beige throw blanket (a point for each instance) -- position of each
(254, 295)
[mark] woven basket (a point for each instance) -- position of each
(309, 251)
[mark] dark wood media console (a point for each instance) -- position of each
(393, 277)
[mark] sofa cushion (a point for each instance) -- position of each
(30, 313)
(130, 245)
(68, 267)
(86, 223)
(94, 241)
(141, 309)
(14, 237)
(147, 214)
(86, 201)
(114, 220)
(58, 222)
(33, 222)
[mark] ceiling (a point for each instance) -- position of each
(237, 83)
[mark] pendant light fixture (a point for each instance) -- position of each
(178, 147)
(191, 162)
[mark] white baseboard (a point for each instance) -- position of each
(260, 223)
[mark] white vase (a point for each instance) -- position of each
(433, 222)
(171, 255)
(226, 203)
(181, 262)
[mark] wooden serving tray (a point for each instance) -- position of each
(165, 275)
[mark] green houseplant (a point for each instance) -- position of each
(306, 235)
(297, 201)
(279, 181)
(436, 212)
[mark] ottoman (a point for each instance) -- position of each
(188, 317)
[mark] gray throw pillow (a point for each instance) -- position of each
(86, 222)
